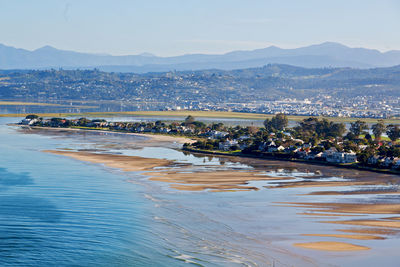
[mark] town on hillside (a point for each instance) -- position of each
(313, 139)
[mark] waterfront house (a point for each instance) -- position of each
(373, 160)
(29, 121)
(342, 157)
(227, 145)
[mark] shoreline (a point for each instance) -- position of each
(155, 137)
(318, 163)
(184, 179)
(197, 113)
(182, 140)
(187, 178)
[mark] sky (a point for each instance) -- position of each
(176, 27)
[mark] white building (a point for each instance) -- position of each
(342, 157)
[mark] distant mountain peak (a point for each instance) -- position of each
(146, 54)
(332, 44)
(46, 48)
(327, 54)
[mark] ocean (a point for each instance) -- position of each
(58, 211)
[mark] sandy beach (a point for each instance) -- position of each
(125, 163)
(359, 208)
(331, 246)
(374, 223)
(347, 236)
(215, 180)
(181, 180)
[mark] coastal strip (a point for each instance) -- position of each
(153, 137)
(301, 161)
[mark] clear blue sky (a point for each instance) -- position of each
(174, 27)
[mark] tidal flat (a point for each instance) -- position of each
(258, 212)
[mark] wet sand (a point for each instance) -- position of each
(374, 223)
(358, 208)
(215, 180)
(361, 228)
(355, 192)
(326, 184)
(372, 231)
(331, 246)
(125, 163)
(191, 178)
(347, 236)
(230, 181)
(181, 180)
(315, 214)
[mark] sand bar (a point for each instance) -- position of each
(125, 163)
(331, 246)
(326, 184)
(196, 181)
(316, 214)
(347, 236)
(214, 180)
(355, 192)
(387, 208)
(372, 231)
(374, 223)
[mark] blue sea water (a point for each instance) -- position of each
(57, 211)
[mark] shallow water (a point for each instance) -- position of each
(60, 211)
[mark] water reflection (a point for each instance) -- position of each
(31, 207)
(8, 179)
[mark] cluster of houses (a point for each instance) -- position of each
(300, 150)
(385, 162)
(27, 121)
(303, 151)
(223, 141)
(101, 124)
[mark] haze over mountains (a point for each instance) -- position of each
(327, 54)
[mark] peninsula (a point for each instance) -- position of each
(312, 140)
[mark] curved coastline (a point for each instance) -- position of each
(155, 137)
(215, 183)
(182, 140)
(302, 161)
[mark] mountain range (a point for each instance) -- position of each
(328, 54)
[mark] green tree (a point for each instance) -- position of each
(31, 117)
(337, 130)
(378, 129)
(189, 120)
(217, 126)
(358, 127)
(368, 137)
(393, 132)
(83, 121)
(277, 123)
